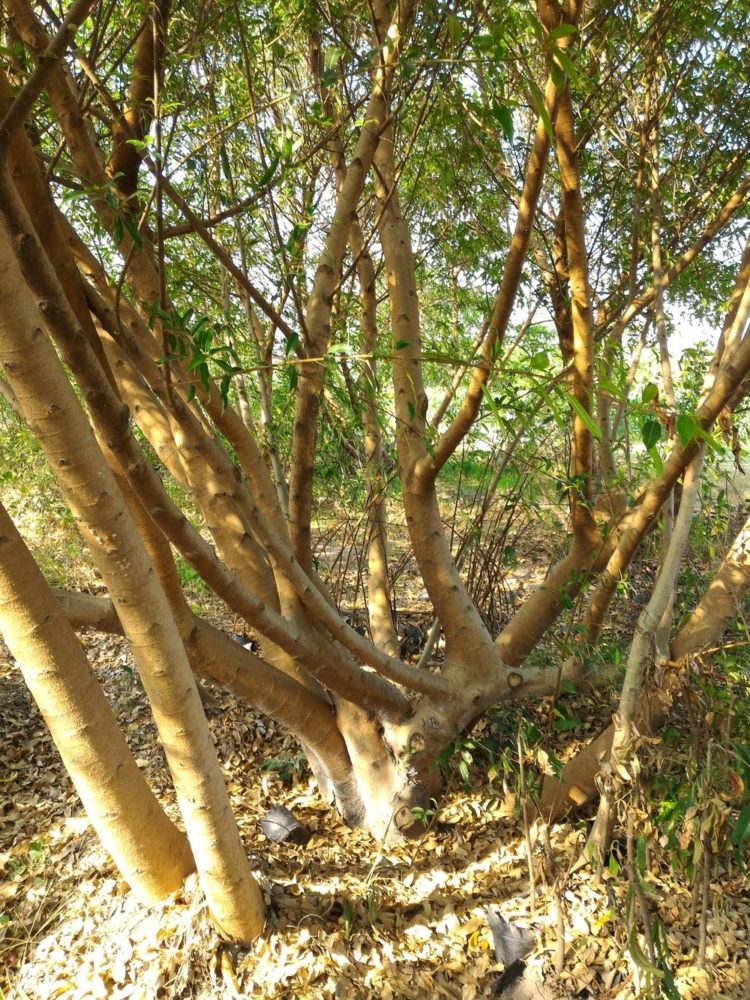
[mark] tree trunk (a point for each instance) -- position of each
(149, 850)
(643, 652)
(720, 603)
(56, 419)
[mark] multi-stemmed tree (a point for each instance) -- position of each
(232, 234)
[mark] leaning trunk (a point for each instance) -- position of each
(56, 419)
(151, 853)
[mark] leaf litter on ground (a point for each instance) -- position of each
(347, 917)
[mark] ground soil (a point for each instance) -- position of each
(346, 916)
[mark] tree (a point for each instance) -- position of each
(318, 197)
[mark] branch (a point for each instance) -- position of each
(614, 326)
(320, 302)
(46, 61)
(148, 65)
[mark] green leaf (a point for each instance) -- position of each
(401, 344)
(134, 234)
(614, 866)
(203, 337)
(540, 361)
(455, 28)
(651, 431)
(503, 114)
(225, 162)
(538, 99)
(656, 459)
(710, 441)
(687, 429)
(565, 63)
(586, 417)
(195, 362)
(558, 77)
(640, 854)
(443, 757)
(333, 54)
(338, 349)
(563, 725)
(564, 721)
(636, 953)
(531, 733)
(562, 31)
(557, 766)
(650, 392)
(291, 344)
(741, 829)
(410, 407)
(36, 850)
(224, 391)
(611, 388)
(270, 170)
(118, 229)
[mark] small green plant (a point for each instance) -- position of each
(461, 753)
(21, 864)
(655, 966)
(347, 916)
(422, 815)
(289, 768)
(563, 720)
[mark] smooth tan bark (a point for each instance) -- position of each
(719, 605)
(467, 639)
(613, 345)
(270, 575)
(318, 310)
(88, 611)
(542, 607)
(56, 419)
(15, 115)
(723, 381)
(584, 527)
(218, 658)
(551, 16)
(223, 497)
(364, 394)
(642, 649)
(152, 854)
(26, 175)
(87, 157)
(155, 424)
(338, 671)
(125, 160)
(618, 323)
(502, 307)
